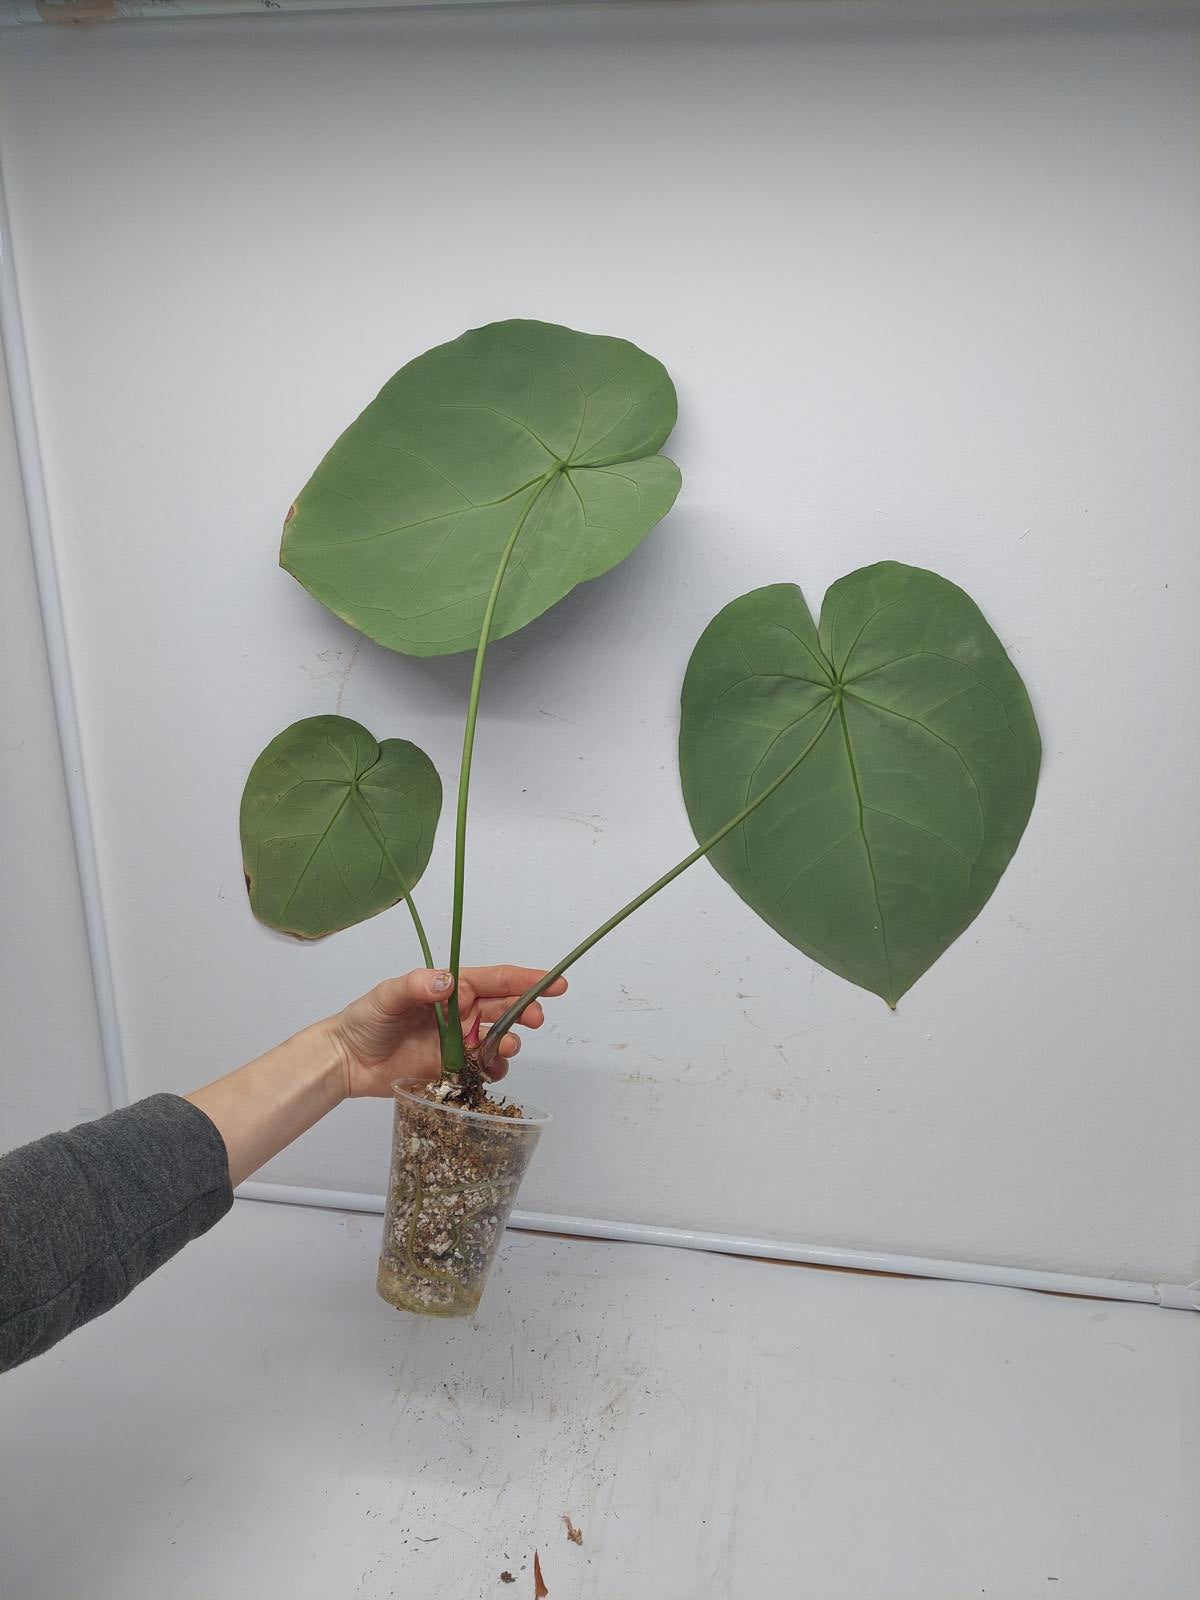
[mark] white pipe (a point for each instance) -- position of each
(29, 457)
(1175, 1296)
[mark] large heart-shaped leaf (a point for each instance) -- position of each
(335, 827)
(907, 757)
(519, 425)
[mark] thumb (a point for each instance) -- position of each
(422, 988)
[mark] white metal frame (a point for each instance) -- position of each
(62, 685)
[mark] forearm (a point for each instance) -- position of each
(259, 1109)
(86, 1215)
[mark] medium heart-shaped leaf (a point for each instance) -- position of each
(907, 754)
(518, 428)
(335, 827)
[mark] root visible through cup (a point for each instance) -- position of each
(454, 1178)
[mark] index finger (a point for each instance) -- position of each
(496, 983)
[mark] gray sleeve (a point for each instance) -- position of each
(86, 1215)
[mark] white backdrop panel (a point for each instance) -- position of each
(926, 283)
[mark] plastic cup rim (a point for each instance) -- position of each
(531, 1116)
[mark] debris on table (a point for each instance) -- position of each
(507, 1577)
(540, 1590)
(573, 1533)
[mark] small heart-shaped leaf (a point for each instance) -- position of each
(335, 827)
(914, 758)
(517, 426)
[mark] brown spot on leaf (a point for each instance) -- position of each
(573, 1533)
(540, 1590)
(291, 513)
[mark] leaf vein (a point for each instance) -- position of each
(867, 847)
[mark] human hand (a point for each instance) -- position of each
(391, 1034)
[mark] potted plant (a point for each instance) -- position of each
(860, 782)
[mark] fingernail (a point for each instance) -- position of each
(440, 982)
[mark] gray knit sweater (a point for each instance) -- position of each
(86, 1215)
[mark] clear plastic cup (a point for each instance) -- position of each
(454, 1178)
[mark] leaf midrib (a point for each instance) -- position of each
(376, 829)
(862, 827)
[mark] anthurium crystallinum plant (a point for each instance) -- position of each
(860, 780)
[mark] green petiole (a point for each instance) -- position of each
(498, 1029)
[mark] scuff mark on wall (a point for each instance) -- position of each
(348, 669)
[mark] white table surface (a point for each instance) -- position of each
(254, 1423)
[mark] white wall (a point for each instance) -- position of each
(926, 283)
